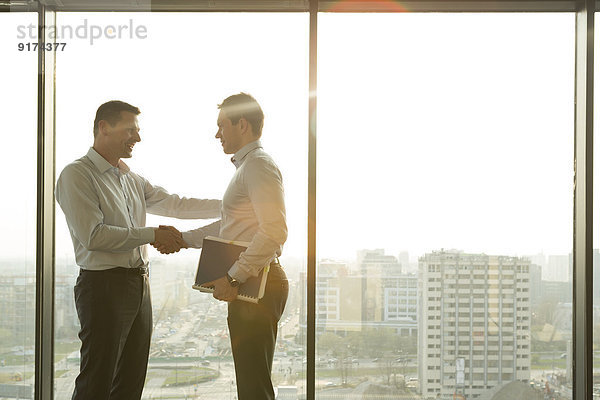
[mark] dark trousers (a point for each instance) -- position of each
(115, 313)
(253, 332)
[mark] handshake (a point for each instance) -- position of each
(167, 239)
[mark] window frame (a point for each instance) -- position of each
(583, 169)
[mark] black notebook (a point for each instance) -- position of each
(217, 257)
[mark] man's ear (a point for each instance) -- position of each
(103, 127)
(244, 125)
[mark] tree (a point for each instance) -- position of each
(386, 346)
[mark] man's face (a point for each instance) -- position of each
(124, 135)
(229, 134)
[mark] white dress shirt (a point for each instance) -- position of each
(106, 207)
(253, 211)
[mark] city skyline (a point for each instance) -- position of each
(557, 272)
(390, 302)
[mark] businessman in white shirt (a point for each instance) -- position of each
(105, 205)
(253, 211)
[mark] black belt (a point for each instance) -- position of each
(121, 270)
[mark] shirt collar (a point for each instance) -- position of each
(240, 155)
(103, 165)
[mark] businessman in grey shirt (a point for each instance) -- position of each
(105, 205)
(253, 211)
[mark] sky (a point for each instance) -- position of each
(434, 130)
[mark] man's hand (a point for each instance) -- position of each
(168, 239)
(223, 290)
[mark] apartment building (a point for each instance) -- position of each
(474, 330)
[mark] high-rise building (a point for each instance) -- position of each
(557, 269)
(170, 287)
(376, 263)
(474, 323)
(378, 295)
(535, 280)
(65, 316)
(539, 259)
(339, 303)
(404, 260)
(17, 306)
(554, 291)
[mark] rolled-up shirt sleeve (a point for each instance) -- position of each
(195, 237)
(78, 199)
(264, 186)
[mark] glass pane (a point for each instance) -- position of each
(177, 72)
(18, 113)
(444, 205)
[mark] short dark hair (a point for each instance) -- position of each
(111, 112)
(243, 105)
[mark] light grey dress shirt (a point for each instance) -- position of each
(106, 208)
(253, 211)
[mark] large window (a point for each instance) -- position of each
(177, 72)
(444, 194)
(445, 145)
(18, 160)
